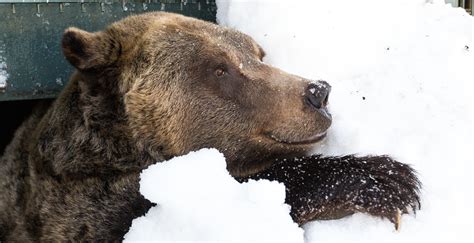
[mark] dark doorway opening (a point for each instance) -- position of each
(12, 114)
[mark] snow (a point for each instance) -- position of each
(198, 200)
(402, 81)
(3, 68)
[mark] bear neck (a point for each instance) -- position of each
(85, 133)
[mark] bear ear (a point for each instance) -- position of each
(85, 50)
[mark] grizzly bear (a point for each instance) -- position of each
(159, 85)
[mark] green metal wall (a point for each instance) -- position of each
(31, 61)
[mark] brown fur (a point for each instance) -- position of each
(146, 89)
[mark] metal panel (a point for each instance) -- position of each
(31, 61)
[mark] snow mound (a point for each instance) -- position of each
(198, 200)
(402, 84)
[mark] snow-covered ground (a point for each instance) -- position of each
(402, 84)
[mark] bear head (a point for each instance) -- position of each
(187, 84)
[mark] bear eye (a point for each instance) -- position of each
(220, 72)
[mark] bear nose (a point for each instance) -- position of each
(317, 94)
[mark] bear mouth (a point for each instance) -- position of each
(310, 140)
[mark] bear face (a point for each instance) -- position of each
(186, 84)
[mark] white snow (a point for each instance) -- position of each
(198, 200)
(402, 82)
(3, 68)
(401, 73)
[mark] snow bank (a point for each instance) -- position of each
(402, 78)
(198, 200)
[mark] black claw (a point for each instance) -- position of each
(418, 202)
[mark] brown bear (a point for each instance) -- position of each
(159, 85)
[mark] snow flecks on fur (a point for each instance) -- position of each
(323, 187)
